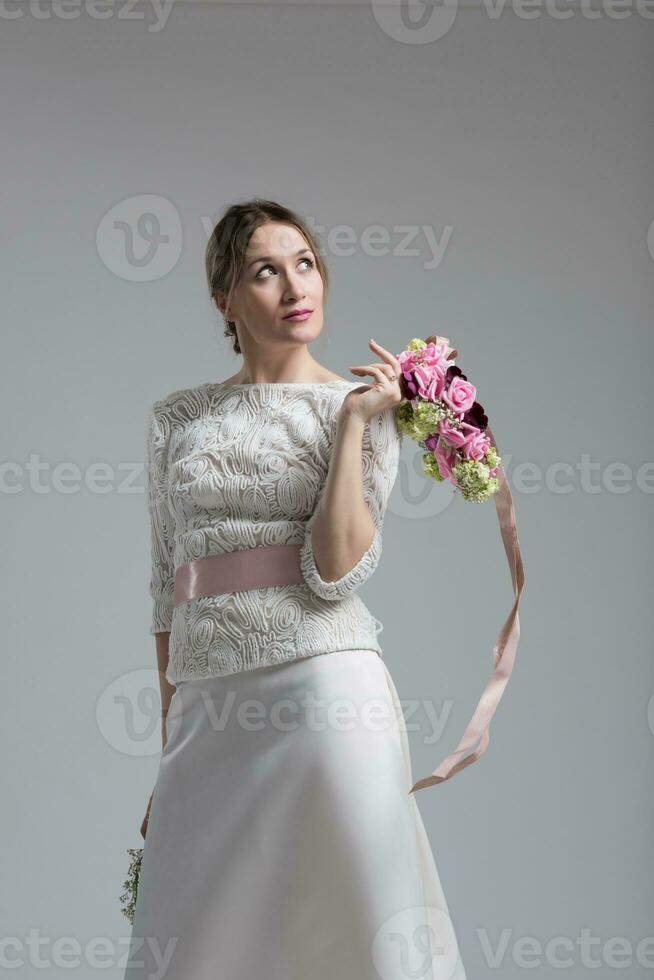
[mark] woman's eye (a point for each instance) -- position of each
(264, 267)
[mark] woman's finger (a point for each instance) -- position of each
(144, 823)
(380, 371)
(390, 359)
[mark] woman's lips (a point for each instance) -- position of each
(299, 316)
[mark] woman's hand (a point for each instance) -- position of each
(384, 391)
(144, 825)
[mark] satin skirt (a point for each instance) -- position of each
(283, 843)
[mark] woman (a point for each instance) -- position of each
(281, 841)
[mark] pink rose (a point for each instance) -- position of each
(453, 436)
(425, 370)
(430, 379)
(460, 394)
(433, 353)
(407, 359)
(476, 446)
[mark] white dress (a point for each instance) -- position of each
(282, 843)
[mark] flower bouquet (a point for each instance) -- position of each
(441, 414)
(131, 885)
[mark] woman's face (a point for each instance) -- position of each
(280, 275)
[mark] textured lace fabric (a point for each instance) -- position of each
(239, 466)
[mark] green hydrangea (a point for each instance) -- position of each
(416, 344)
(419, 419)
(403, 416)
(474, 480)
(492, 458)
(430, 466)
(493, 487)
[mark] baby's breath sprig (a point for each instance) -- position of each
(131, 885)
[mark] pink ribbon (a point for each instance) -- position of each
(237, 571)
(504, 650)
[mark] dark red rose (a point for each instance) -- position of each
(476, 416)
(451, 372)
(408, 385)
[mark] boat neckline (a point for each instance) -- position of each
(281, 384)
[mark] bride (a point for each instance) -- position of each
(281, 839)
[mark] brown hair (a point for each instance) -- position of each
(228, 242)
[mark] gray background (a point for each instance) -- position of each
(532, 139)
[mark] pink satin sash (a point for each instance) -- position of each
(504, 650)
(237, 571)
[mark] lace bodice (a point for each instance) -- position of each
(240, 466)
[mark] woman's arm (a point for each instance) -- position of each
(343, 537)
(162, 641)
(162, 579)
(342, 542)
(167, 691)
(161, 541)
(343, 529)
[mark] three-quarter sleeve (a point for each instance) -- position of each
(380, 460)
(162, 574)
